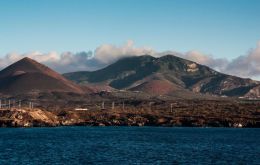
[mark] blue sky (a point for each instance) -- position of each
(222, 28)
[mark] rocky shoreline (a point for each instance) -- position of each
(43, 118)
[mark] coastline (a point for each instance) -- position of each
(43, 118)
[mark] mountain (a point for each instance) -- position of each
(28, 75)
(166, 76)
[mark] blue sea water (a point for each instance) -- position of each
(129, 145)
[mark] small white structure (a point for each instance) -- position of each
(238, 125)
(81, 109)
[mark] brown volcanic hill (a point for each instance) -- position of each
(156, 87)
(28, 75)
(175, 74)
(156, 84)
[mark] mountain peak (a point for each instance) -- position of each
(28, 59)
(28, 75)
(26, 65)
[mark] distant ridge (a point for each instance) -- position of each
(165, 76)
(27, 75)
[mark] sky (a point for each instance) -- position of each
(221, 30)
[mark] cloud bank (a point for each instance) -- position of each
(247, 65)
(64, 62)
(108, 53)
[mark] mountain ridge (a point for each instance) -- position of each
(129, 72)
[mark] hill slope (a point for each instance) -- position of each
(165, 75)
(28, 75)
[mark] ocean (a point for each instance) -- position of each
(129, 145)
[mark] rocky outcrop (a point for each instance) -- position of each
(27, 118)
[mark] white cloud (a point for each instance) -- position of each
(204, 59)
(64, 62)
(246, 66)
(108, 53)
(218, 64)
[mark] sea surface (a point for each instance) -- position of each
(129, 145)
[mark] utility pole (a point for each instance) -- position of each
(171, 107)
(0, 104)
(103, 105)
(32, 105)
(123, 105)
(9, 104)
(150, 105)
(29, 105)
(20, 104)
(14, 103)
(113, 105)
